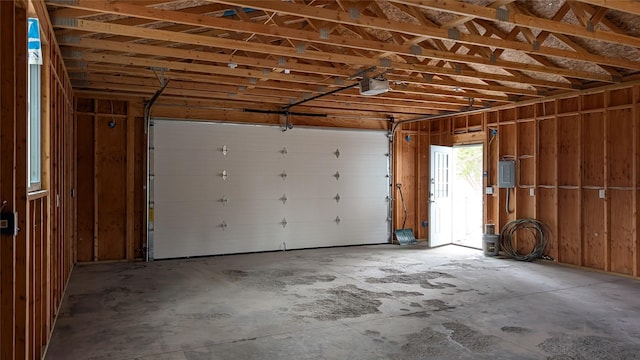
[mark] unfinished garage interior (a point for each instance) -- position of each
(315, 179)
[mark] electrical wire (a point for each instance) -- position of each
(538, 230)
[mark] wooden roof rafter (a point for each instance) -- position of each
(231, 44)
(426, 55)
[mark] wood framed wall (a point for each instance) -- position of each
(568, 151)
(36, 263)
(111, 162)
(579, 155)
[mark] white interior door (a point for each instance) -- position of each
(222, 189)
(440, 199)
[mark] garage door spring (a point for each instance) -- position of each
(538, 230)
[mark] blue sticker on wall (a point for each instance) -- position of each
(33, 45)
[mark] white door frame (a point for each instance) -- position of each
(440, 199)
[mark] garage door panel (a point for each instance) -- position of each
(185, 188)
(252, 187)
(179, 242)
(196, 213)
(188, 188)
(363, 208)
(361, 186)
(199, 135)
(300, 235)
(195, 162)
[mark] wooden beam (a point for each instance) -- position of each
(417, 100)
(632, 7)
(356, 104)
(207, 69)
(416, 30)
(272, 63)
(463, 19)
(532, 22)
(130, 188)
(96, 187)
(329, 15)
(7, 178)
(407, 85)
(269, 64)
(22, 241)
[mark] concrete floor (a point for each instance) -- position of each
(373, 302)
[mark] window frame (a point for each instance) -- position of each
(34, 123)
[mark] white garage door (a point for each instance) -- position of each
(222, 188)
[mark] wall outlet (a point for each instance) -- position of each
(602, 193)
(9, 223)
(489, 190)
(532, 192)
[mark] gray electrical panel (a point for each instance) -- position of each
(506, 174)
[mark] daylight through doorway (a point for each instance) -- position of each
(467, 195)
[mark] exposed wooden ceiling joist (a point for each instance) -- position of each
(632, 7)
(437, 55)
(487, 13)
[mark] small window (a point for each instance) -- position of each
(33, 99)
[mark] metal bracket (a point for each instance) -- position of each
(415, 50)
(354, 13)
(225, 149)
(224, 174)
(337, 220)
(337, 153)
(159, 73)
(590, 27)
(337, 175)
(324, 33)
(68, 39)
(284, 175)
(453, 34)
(283, 199)
(536, 45)
(502, 14)
(283, 222)
(337, 198)
(65, 21)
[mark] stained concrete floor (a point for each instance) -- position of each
(372, 302)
